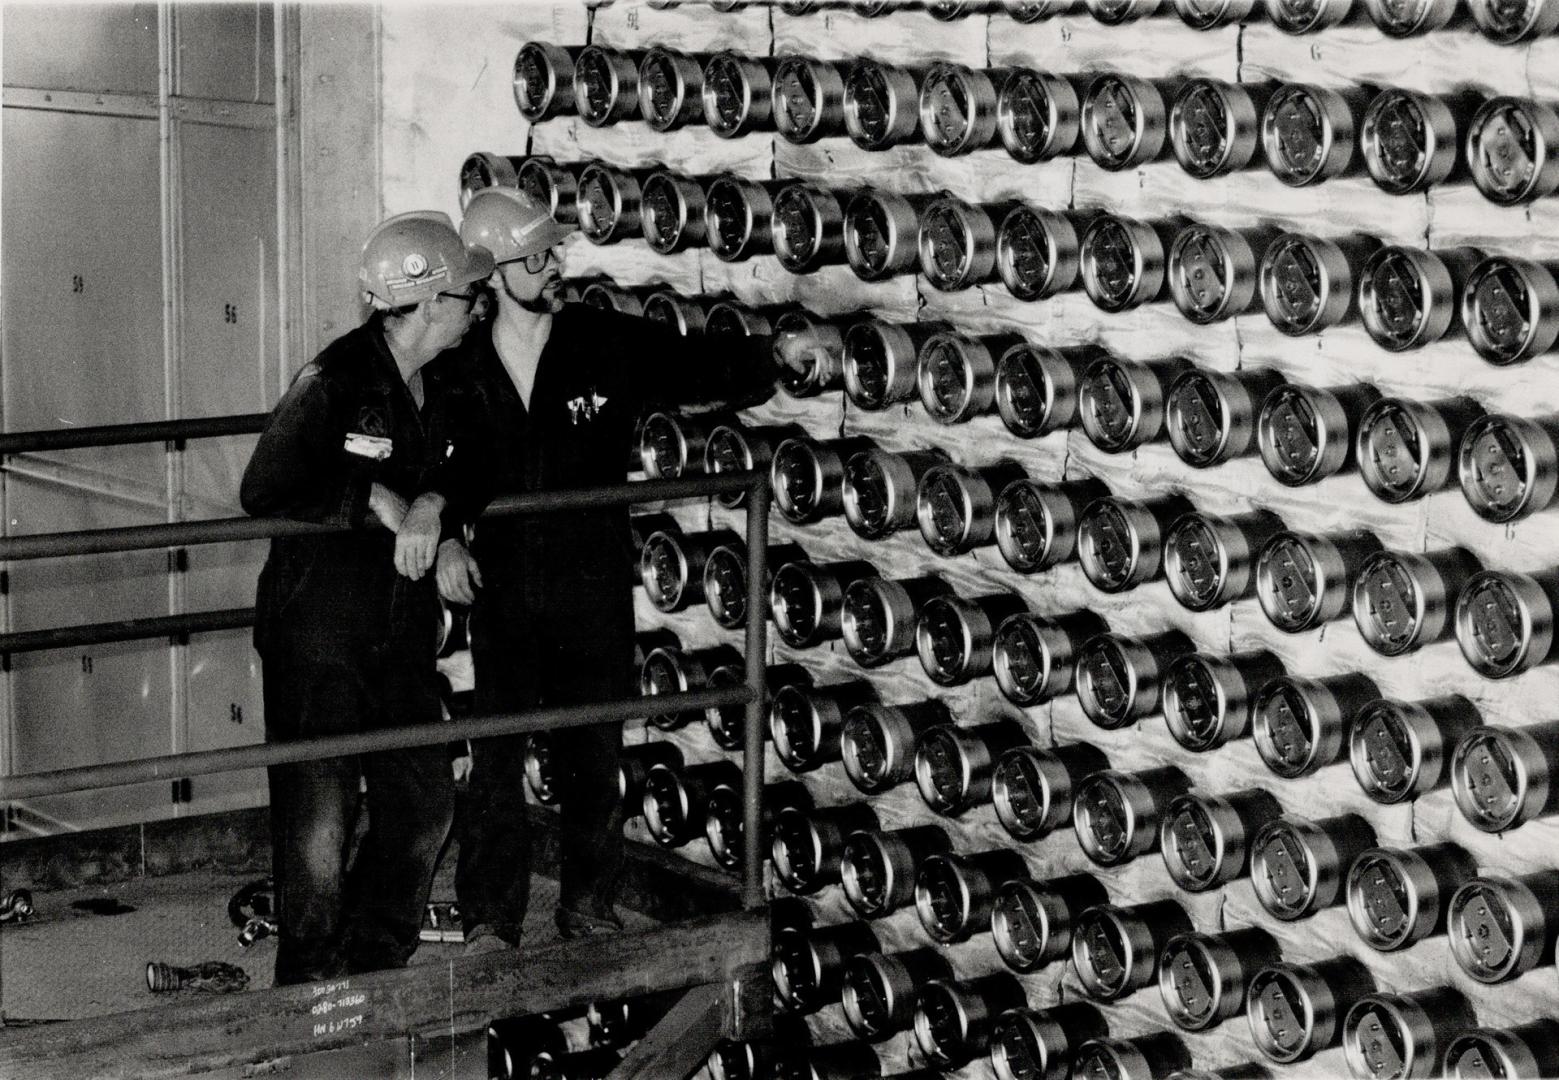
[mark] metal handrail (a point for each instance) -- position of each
(230, 530)
(752, 694)
(235, 758)
(102, 633)
(201, 427)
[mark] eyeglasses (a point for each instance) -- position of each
(470, 297)
(535, 264)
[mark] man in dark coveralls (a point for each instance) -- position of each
(562, 386)
(345, 623)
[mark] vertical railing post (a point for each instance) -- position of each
(757, 678)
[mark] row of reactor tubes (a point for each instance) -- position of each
(1407, 141)
(1406, 297)
(1504, 21)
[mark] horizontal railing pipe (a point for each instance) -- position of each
(231, 759)
(69, 637)
(230, 530)
(624, 494)
(150, 537)
(203, 427)
(750, 693)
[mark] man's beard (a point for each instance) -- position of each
(545, 302)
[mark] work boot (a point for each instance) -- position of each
(484, 939)
(573, 924)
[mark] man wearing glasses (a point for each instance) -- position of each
(345, 623)
(561, 387)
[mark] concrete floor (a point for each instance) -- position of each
(68, 962)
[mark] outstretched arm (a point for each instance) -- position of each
(717, 371)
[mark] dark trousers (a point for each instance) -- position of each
(335, 919)
(524, 659)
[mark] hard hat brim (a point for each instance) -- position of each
(548, 234)
(479, 267)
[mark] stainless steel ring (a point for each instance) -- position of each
(1038, 252)
(608, 203)
(1407, 449)
(1202, 977)
(1205, 840)
(1502, 777)
(1300, 724)
(1307, 16)
(1208, 699)
(671, 89)
(1504, 623)
(808, 99)
(1115, 950)
(879, 490)
(1305, 433)
(1513, 150)
(1400, 20)
(1402, 1034)
(1508, 466)
(881, 230)
(1210, 561)
(1307, 283)
(671, 212)
(956, 376)
(1510, 23)
(553, 185)
(1038, 115)
(1409, 141)
(1297, 865)
(1036, 524)
(1404, 600)
(808, 227)
(1211, 415)
(957, 245)
(1401, 749)
(738, 94)
(1510, 309)
(1121, 403)
(1033, 658)
(881, 104)
(1212, 272)
(543, 81)
(1123, 263)
(1211, 14)
(1116, 814)
(1409, 297)
(737, 217)
(606, 85)
(880, 362)
(1125, 120)
(1214, 127)
(958, 109)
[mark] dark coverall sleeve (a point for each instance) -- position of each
(720, 371)
(299, 469)
(468, 477)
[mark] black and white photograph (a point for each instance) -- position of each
(779, 539)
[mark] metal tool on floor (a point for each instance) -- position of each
(253, 910)
(441, 923)
(16, 906)
(212, 976)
